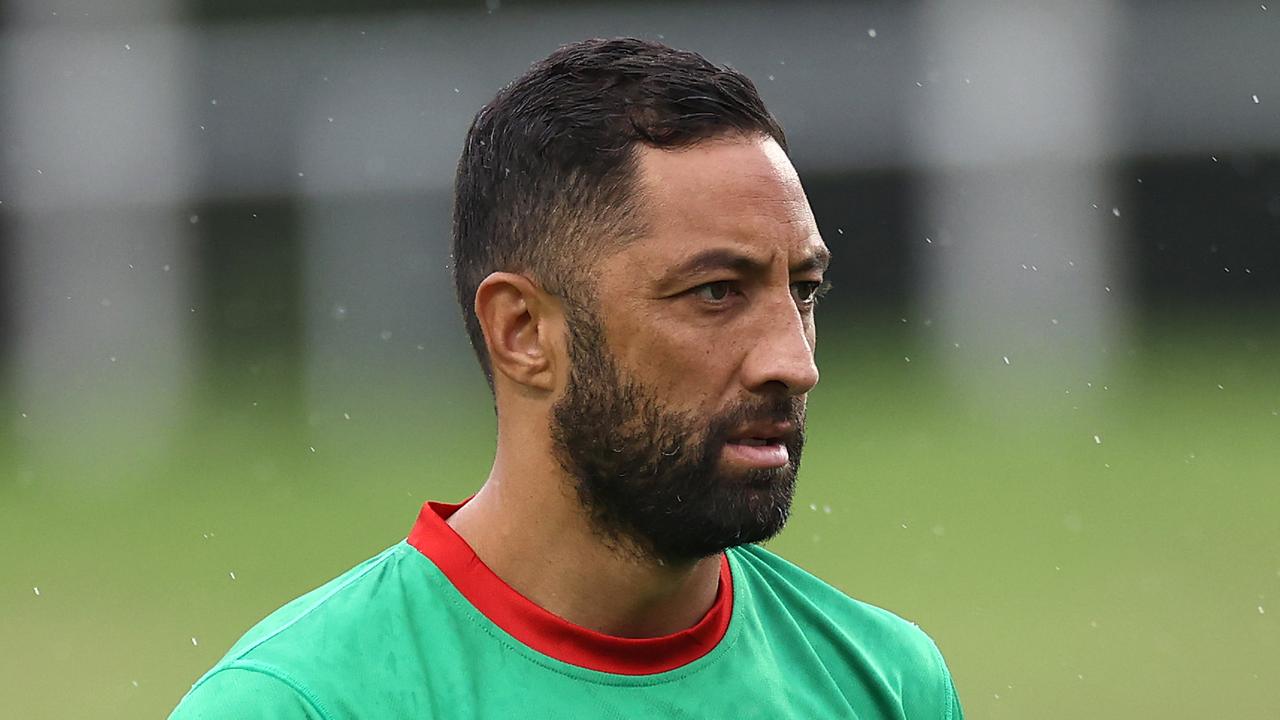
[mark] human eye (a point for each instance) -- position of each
(808, 292)
(714, 292)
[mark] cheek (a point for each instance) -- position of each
(695, 375)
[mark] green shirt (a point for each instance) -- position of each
(426, 630)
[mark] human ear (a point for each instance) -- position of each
(518, 318)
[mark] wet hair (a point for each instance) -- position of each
(547, 182)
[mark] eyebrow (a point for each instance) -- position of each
(727, 259)
(818, 260)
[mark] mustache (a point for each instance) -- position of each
(774, 409)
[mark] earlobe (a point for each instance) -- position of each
(514, 314)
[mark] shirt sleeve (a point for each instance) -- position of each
(236, 693)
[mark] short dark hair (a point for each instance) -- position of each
(547, 176)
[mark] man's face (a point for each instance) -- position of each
(683, 416)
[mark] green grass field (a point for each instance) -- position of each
(1108, 549)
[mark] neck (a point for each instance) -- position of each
(528, 526)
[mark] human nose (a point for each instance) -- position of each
(782, 353)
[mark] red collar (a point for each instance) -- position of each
(550, 634)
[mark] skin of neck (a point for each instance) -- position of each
(527, 524)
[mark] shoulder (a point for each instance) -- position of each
(340, 604)
(286, 660)
(841, 630)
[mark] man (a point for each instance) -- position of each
(637, 266)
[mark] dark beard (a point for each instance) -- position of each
(650, 477)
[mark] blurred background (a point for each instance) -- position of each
(1048, 429)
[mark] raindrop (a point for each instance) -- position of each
(312, 448)
(1261, 610)
(826, 509)
(166, 267)
(194, 642)
(385, 335)
(127, 46)
(346, 416)
(37, 591)
(1006, 359)
(213, 101)
(1115, 211)
(871, 32)
(232, 574)
(1097, 440)
(1255, 99)
(813, 506)
(134, 683)
(193, 219)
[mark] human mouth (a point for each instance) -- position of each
(757, 452)
(760, 446)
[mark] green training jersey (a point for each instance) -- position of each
(426, 630)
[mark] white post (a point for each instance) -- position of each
(1013, 121)
(95, 181)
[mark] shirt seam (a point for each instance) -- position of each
(946, 686)
(275, 673)
(394, 550)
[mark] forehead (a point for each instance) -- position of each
(737, 192)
